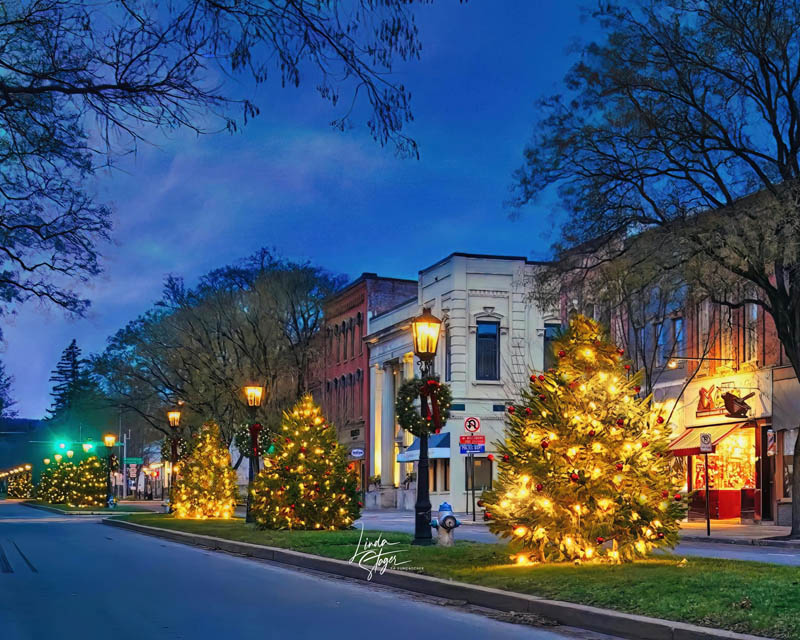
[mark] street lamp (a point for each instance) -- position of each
(70, 453)
(46, 461)
(174, 418)
(253, 395)
(425, 329)
(87, 447)
(58, 457)
(109, 440)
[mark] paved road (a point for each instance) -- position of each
(402, 521)
(72, 578)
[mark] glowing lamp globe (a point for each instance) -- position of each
(174, 418)
(109, 440)
(70, 453)
(254, 394)
(426, 335)
(46, 460)
(58, 457)
(87, 447)
(27, 467)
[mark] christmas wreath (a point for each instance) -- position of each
(435, 399)
(166, 448)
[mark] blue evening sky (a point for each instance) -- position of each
(187, 204)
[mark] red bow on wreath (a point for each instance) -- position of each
(429, 390)
(254, 429)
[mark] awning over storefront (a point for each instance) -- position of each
(438, 447)
(688, 443)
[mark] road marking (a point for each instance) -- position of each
(5, 566)
(24, 557)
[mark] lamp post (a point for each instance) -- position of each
(109, 440)
(174, 418)
(425, 329)
(253, 394)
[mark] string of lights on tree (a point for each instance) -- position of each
(584, 473)
(76, 485)
(19, 481)
(305, 483)
(206, 482)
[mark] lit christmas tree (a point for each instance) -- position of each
(206, 483)
(55, 482)
(20, 485)
(305, 483)
(87, 484)
(584, 472)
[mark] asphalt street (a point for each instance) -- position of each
(402, 521)
(72, 578)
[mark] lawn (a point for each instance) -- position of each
(748, 597)
(121, 508)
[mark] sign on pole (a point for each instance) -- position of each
(705, 443)
(472, 439)
(472, 448)
(472, 424)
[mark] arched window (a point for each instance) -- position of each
(335, 399)
(352, 338)
(360, 325)
(343, 400)
(338, 342)
(344, 341)
(360, 397)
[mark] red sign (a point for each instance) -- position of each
(471, 439)
(472, 424)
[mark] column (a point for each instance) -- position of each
(387, 427)
(375, 410)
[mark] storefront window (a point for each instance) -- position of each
(733, 466)
(789, 438)
(483, 474)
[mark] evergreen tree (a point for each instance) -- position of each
(6, 402)
(87, 484)
(584, 471)
(20, 485)
(305, 483)
(70, 379)
(206, 483)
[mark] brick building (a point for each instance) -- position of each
(342, 374)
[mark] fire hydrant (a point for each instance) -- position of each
(445, 525)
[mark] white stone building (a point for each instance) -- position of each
(492, 338)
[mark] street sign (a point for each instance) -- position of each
(472, 439)
(472, 424)
(357, 453)
(134, 461)
(705, 443)
(132, 471)
(472, 448)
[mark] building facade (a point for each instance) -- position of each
(493, 336)
(342, 374)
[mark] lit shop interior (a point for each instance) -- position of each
(732, 471)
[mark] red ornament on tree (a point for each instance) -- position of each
(490, 456)
(660, 420)
(660, 535)
(511, 409)
(545, 444)
(627, 367)
(487, 516)
(533, 378)
(574, 477)
(619, 466)
(678, 497)
(600, 539)
(621, 352)
(637, 388)
(528, 411)
(506, 458)
(645, 444)
(542, 396)
(561, 354)
(541, 378)
(664, 493)
(620, 422)
(592, 432)
(539, 487)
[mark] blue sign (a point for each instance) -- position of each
(472, 448)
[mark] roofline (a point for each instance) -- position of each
(484, 256)
(367, 275)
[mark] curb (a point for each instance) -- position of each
(63, 512)
(750, 542)
(625, 625)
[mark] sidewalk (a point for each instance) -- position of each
(735, 532)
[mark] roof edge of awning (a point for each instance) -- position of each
(723, 431)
